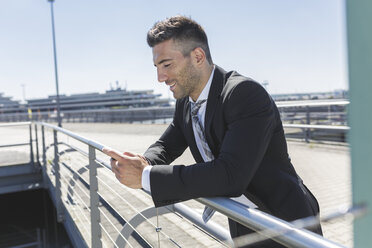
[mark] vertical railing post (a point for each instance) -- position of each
(94, 200)
(329, 115)
(31, 148)
(58, 192)
(44, 163)
(37, 145)
(307, 136)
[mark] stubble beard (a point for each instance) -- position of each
(188, 83)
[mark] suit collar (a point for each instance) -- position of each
(214, 94)
(216, 86)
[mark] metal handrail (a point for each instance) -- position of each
(12, 124)
(18, 144)
(81, 179)
(212, 228)
(30, 143)
(286, 104)
(92, 145)
(80, 138)
(252, 218)
(286, 233)
(325, 127)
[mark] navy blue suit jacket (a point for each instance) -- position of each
(245, 133)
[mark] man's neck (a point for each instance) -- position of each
(205, 75)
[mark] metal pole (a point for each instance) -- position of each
(58, 192)
(55, 64)
(44, 166)
(37, 145)
(31, 149)
(359, 34)
(94, 200)
(307, 132)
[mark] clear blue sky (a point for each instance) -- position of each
(297, 46)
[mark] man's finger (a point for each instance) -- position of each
(112, 163)
(115, 170)
(118, 177)
(129, 154)
(112, 153)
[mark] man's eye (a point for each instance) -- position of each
(167, 65)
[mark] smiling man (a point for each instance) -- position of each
(232, 127)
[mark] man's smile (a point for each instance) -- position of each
(171, 85)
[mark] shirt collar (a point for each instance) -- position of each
(204, 94)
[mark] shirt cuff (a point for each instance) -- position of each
(146, 178)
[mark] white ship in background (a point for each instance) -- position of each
(115, 98)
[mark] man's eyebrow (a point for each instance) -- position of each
(162, 61)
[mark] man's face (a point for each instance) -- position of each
(176, 70)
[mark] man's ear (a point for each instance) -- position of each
(199, 56)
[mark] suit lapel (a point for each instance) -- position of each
(213, 96)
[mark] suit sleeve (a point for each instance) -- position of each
(250, 120)
(170, 146)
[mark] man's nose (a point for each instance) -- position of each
(162, 77)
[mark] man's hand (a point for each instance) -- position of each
(127, 167)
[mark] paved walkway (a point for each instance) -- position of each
(325, 169)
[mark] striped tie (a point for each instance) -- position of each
(198, 127)
(200, 130)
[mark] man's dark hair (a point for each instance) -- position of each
(185, 32)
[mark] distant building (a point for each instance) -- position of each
(112, 99)
(7, 105)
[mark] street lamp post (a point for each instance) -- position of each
(55, 64)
